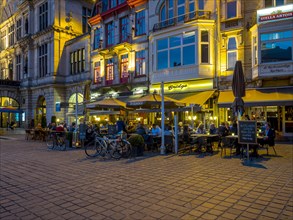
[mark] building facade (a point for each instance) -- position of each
(33, 35)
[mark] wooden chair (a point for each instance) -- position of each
(226, 143)
(29, 134)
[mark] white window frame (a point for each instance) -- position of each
(204, 43)
(43, 60)
(273, 3)
(43, 16)
(238, 9)
(231, 51)
(18, 29)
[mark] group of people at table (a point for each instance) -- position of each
(214, 135)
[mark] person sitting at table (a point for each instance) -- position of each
(200, 129)
(223, 130)
(140, 129)
(156, 130)
(213, 129)
(234, 128)
(168, 130)
(38, 127)
(269, 136)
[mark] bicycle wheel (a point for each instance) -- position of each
(90, 149)
(127, 149)
(101, 147)
(50, 141)
(61, 143)
(115, 149)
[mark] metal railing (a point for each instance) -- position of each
(191, 16)
(7, 82)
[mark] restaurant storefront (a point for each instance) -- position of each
(198, 95)
(274, 105)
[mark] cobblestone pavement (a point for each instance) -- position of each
(37, 183)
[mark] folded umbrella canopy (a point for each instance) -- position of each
(238, 88)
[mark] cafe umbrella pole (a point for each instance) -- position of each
(163, 148)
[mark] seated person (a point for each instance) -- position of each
(223, 130)
(38, 127)
(269, 136)
(156, 130)
(213, 129)
(168, 130)
(234, 128)
(200, 129)
(140, 130)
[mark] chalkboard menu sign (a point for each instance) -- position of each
(112, 129)
(247, 132)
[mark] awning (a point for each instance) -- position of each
(181, 109)
(11, 110)
(103, 112)
(259, 97)
(196, 98)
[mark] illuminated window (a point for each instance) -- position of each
(255, 51)
(43, 16)
(97, 73)
(176, 51)
(18, 67)
(140, 63)
(77, 61)
(110, 33)
(11, 35)
(204, 44)
(231, 53)
(110, 70)
(140, 23)
(86, 14)
(43, 60)
(124, 30)
(124, 68)
(18, 29)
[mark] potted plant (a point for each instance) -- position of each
(137, 144)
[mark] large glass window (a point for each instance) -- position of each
(140, 23)
(204, 47)
(43, 60)
(140, 64)
(110, 33)
(43, 16)
(97, 38)
(178, 8)
(231, 53)
(276, 47)
(86, 14)
(124, 30)
(231, 11)
(176, 51)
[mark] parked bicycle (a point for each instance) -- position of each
(113, 146)
(56, 141)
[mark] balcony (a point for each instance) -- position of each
(188, 17)
(124, 80)
(109, 82)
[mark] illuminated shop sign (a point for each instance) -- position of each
(184, 86)
(276, 13)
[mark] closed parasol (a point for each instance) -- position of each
(238, 87)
